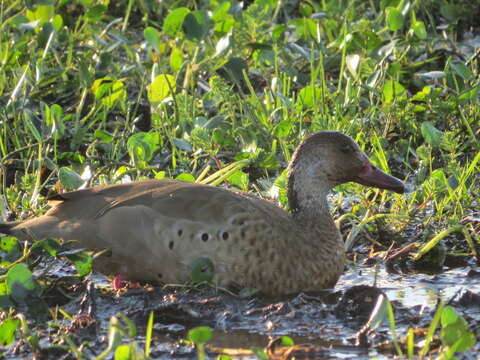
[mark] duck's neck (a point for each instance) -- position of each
(307, 203)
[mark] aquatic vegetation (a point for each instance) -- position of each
(221, 92)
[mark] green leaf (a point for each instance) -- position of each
(7, 331)
(431, 134)
(174, 20)
(69, 178)
(176, 60)
(202, 269)
(152, 36)
(185, 177)
(142, 146)
(42, 14)
(57, 22)
(287, 341)
(393, 91)
(419, 30)
(103, 136)
(394, 18)
(182, 144)
(449, 316)
(259, 353)
(469, 95)
(109, 91)
(96, 12)
(83, 263)
(462, 70)
(20, 282)
(51, 246)
(163, 86)
(309, 96)
(233, 69)
(221, 11)
(200, 334)
(195, 25)
(457, 333)
(239, 179)
(451, 11)
(123, 352)
(10, 249)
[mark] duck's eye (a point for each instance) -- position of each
(346, 148)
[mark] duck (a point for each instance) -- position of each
(156, 229)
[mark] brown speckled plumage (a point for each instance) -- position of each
(157, 228)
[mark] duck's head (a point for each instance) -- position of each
(329, 158)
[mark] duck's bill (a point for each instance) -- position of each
(372, 176)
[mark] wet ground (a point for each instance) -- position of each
(327, 323)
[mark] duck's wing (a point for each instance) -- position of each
(158, 229)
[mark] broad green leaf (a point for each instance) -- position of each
(142, 146)
(182, 144)
(185, 177)
(57, 22)
(287, 341)
(259, 353)
(161, 88)
(419, 30)
(109, 91)
(431, 134)
(10, 249)
(123, 352)
(20, 282)
(200, 334)
(394, 18)
(283, 128)
(202, 269)
(233, 69)
(152, 36)
(51, 246)
(174, 20)
(393, 91)
(69, 178)
(83, 263)
(103, 136)
(176, 60)
(449, 316)
(195, 25)
(96, 12)
(239, 179)
(7, 331)
(462, 70)
(221, 11)
(451, 11)
(457, 333)
(470, 95)
(42, 14)
(310, 96)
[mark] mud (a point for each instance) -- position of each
(323, 325)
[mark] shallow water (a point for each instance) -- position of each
(327, 322)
